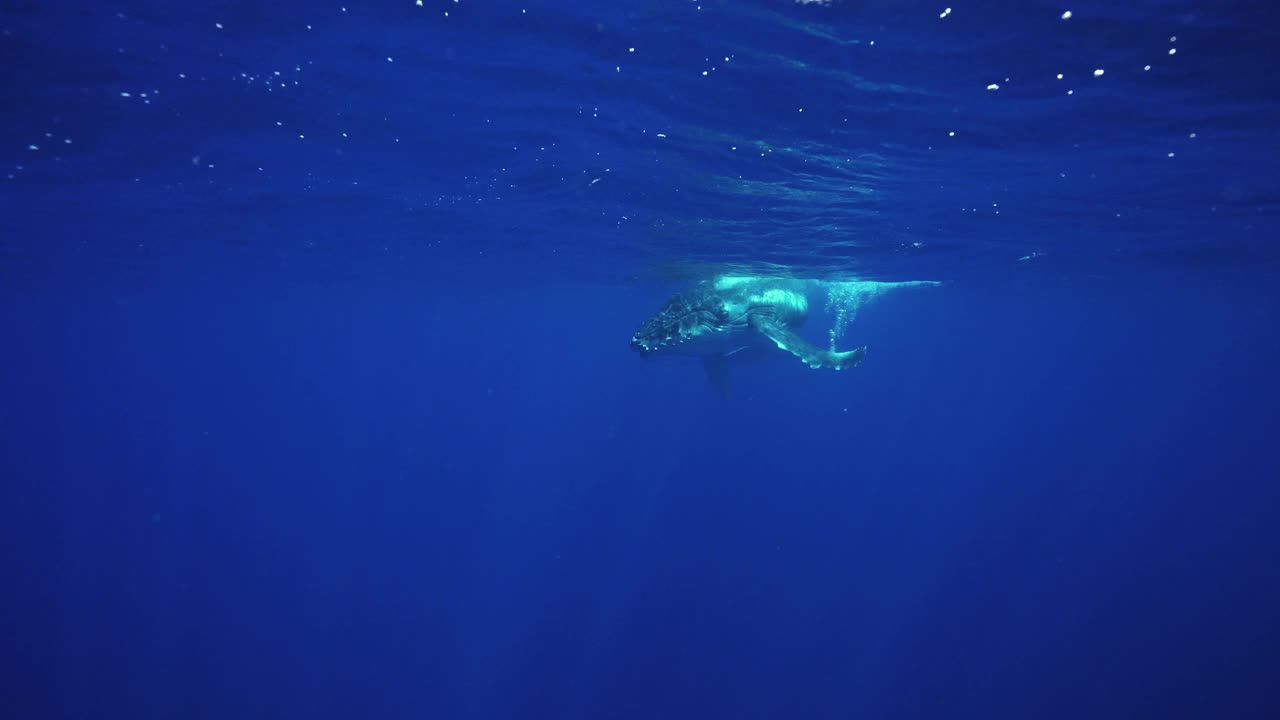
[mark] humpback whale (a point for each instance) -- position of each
(717, 320)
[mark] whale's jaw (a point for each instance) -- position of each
(692, 323)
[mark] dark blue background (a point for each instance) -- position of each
(358, 434)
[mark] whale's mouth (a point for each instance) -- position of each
(684, 339)
(649, 345)
(683, 324)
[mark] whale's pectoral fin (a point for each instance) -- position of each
(808, 354)
(717, 367)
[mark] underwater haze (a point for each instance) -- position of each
(487, 359)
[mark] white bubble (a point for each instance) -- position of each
(993, 86)
(1066, 15)
(1059, 76)
(1145, 68)
(1098, 72)
(1173, 51)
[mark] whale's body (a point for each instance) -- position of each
(717, 320)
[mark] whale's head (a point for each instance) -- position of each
(688, 324)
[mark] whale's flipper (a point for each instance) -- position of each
(808, 354)
(717, 367)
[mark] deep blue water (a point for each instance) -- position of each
(316, 401)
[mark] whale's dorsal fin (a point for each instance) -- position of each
(814, 357)
(717, 367)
